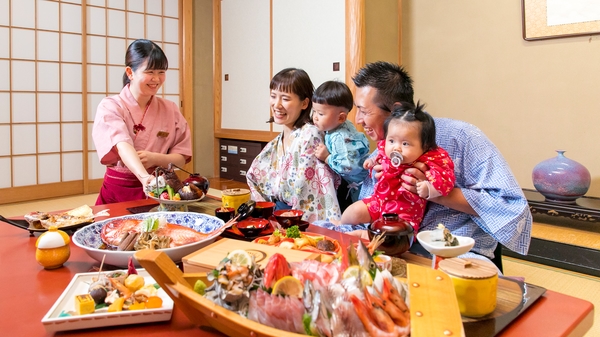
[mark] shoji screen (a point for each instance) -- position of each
(58, 59)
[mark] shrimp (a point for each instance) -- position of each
(380, 313)
(370, 323)
(390, 292)
(125, 293)
(390, 308)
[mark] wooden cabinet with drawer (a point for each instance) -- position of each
(236, 156)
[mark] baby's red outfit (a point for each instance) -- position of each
(391, 197)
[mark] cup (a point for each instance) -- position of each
(384, 262)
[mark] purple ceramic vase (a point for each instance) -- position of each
(561, 179)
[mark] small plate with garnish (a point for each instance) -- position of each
(441, 242)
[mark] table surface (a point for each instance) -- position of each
(30, 291)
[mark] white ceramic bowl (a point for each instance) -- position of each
(89, 239)
(437, 247)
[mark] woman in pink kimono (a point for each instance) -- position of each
(136, 131)
(287, 170)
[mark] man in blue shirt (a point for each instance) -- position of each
(486, 203)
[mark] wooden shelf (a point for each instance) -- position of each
(563, 235)
(584, 208)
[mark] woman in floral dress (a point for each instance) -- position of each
(287, 171)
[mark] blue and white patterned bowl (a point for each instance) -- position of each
(89, 239)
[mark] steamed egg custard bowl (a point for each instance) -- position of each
(181, 233)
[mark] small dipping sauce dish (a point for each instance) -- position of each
(225, 213)
(288, 217)
(475, 283)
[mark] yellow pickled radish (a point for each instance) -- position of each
(52, 248)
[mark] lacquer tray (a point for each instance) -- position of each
(514, 297)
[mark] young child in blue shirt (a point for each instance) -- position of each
(345, 148)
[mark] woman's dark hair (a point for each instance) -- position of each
(391, 81)
(141, 50)
(296, 81)
(407, 112)
(334, 93)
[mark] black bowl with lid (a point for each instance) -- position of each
(398, 234)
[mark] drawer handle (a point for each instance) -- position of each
(223, 147)
(223, 169)
(243, 150)
(243, 161)
(242, 173)
(223, 158)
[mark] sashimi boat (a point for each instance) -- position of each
(429, 306)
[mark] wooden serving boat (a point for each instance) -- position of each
(434, 308)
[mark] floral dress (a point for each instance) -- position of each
(296, 177)
(389, 195)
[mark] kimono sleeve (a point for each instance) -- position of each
(109, 129)
(441, 170)
(347, 155)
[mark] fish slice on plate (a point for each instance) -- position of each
(76, 216)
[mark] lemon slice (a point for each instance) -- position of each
(358, 272)
(289, 286)
(240, 257)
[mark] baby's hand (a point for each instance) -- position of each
(423, 189)
(369, 163)
(321, 152)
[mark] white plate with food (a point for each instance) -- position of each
(437, 244)
(62, 316)
(182, 233)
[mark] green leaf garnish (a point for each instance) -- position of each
(150, 224)
(293, 232)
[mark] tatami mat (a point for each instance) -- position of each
(574, 284)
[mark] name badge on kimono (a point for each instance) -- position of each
(162, 134)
